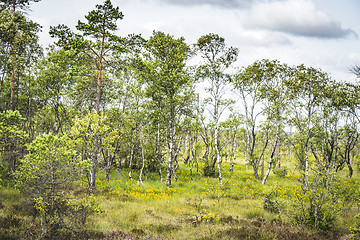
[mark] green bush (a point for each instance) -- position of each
(48, 176)
(281, 173)
(321, 218)
(318, 205)
(209, 171)
(355, 229)
(270, 204)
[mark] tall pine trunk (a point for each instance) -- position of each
(99, 77)
(12, 77)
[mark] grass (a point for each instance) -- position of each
(198, 208)
(202, 208)
(242, 184)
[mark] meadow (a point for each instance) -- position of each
(197, 207)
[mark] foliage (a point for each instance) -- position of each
(217, 58)
(19, 50)
(46, 176)
(271, 204)
(164, 72)
(91, 135)
(282, 172)
(355, 229)
(97, 40)
(209, 170)
(319, 204)
(18, 32)
(12, 4)
(260, 87)
(12, 140)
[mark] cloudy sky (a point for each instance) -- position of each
(319, 33)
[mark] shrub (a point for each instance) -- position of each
(209, 171)
(281, 173)
(47, 176)
(316, 216)
(318, 205)
(12, 142)
(270, 204)
(355, 229)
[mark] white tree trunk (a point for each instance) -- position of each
(171, 158)
(131, 160)
(218, 153)
(142, 157)
(159, 151)
(306, 166)
(271, 158)
(169, 169)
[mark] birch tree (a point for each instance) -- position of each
(165, 73)
(274, 100)
(216, 59)
(84, 133)
(248, 84)
(232, 127)
(307, 90)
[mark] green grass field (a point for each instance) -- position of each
(198, 208)
(202, 209)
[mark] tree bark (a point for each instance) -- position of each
(217, 151)
(142, 157)
(12, 86)
(306, 165)
(98, 90)
(159, 157)
(170, 169)
(279, 155)
(99, 78)
(251, 148)
(271, 158)
(256, 169)
(131, 159)
(245, 151)
(92, 183)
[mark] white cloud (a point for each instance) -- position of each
(263, 38)
(353, 57)
(262, 29)
(218, 3)
(297, 17)
(153, 26)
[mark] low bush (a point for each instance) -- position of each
(280, 172)
(270, 204)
